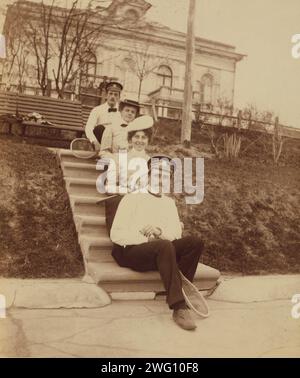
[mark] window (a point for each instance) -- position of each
(89, 70)
(206, 87)
(165, 76)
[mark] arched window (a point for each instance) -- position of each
(206, 89)
(165, 76)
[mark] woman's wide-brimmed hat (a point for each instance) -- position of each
(140, 123)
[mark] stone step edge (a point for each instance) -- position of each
(78, 165)
(80, 181)
(89, 220)
(89, 199)
(67, 152)
(95, 241)
(128, 275)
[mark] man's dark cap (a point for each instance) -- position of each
(114, 85)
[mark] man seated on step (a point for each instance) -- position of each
(147, 236)
(104, 115)
(115, 138)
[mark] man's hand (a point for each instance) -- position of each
(95, 145)
(150, 231)
(106, 154)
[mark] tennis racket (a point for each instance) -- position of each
(194, 298)
(82, 148)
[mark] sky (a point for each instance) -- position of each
(269, 77)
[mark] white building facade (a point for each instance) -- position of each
(157, 54)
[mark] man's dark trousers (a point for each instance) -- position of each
(166, 257)
(111, 207)
(98, 132)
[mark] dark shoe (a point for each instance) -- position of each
(184, 319)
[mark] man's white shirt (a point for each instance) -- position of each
(136, 210)
(100, 116)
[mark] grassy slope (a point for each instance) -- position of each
(38, 237)
(249, 218)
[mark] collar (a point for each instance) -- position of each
(107, 106)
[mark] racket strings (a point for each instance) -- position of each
(194, 298)
(83, 149)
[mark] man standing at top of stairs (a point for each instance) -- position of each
(105, 114)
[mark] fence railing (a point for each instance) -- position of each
(14, 103)
(225, 119)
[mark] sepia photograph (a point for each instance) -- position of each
(150, 182)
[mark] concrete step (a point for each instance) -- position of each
(113, 278)
(80, 164)
(68, 156)
(80, 176)
(99, 257)
(82, 205)
(80, 170)
(82, 187)
(92, 225)
(96, 249)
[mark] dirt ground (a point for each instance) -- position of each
(38, 237)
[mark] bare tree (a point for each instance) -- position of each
(61, 40)
(72, 44)
(38, 33)
(16, 65)
(78, 32)
(143, 63)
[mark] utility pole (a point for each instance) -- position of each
(188, 89)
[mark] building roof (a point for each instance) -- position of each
(148, 29)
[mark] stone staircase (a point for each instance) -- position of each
(89, 218)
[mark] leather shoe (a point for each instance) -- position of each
(184, 319)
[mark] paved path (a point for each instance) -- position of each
(250, 317)
(145, 329)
